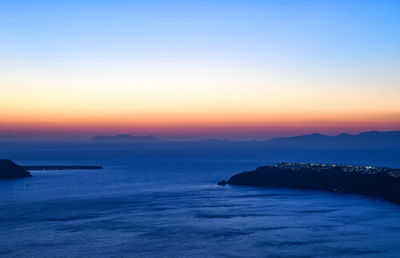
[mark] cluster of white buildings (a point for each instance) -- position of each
(346, 168)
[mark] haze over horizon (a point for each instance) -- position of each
(224, 69)
(383, 137)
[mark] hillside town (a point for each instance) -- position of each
(316, 167)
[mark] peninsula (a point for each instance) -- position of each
(380, 182)
(10, 170)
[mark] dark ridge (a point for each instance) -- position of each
(58, 167)
(364, 180)
(10, 170)
(124, 137)
(375, 138)
(8, 137)
(306, 137)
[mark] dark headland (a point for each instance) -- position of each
(10, 170)
(365, 180)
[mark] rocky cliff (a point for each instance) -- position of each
(378, 182)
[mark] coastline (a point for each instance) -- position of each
(377, 182)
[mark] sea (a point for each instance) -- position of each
(161, 199)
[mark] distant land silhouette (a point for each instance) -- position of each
(215, 140)
(8, 137)
(375, 138)
(364, 139)
(124, 137)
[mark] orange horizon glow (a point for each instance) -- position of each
(259, 116)
(246, 126)
(214, 120)
(135, 68)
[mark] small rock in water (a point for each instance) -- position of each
(223, 182)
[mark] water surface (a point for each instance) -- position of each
(161, 200)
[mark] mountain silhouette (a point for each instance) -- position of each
(364, 138)
(8, 137)
(124, 137)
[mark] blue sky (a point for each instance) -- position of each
(354, 29)
(182, 54)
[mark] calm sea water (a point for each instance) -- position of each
(161, 200)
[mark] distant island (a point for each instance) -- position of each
(369, 139)
(365, 138)
(124, 137)
(8, 137)
(365, 180)
(213, 140)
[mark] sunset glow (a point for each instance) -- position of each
(72, 69)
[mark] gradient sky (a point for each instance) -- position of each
(237, 69)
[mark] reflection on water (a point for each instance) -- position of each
(165, 204)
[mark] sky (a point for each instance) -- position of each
(193, 69)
